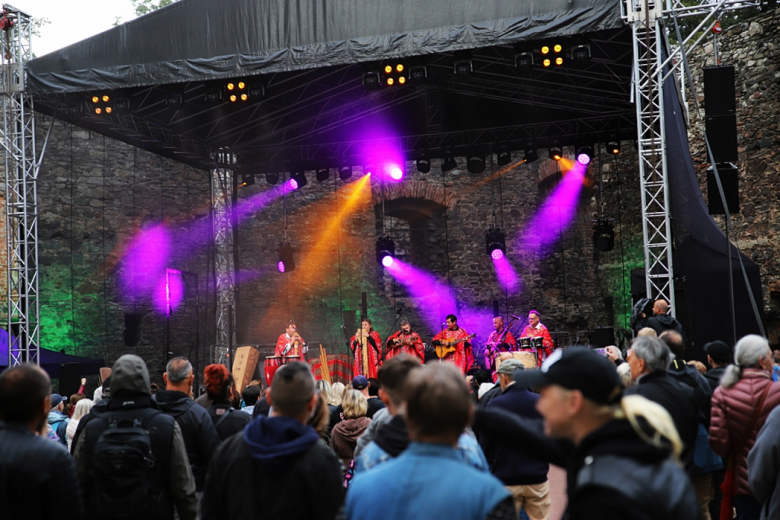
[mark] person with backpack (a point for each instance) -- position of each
(221, 390)
(200, 436)
(130, 457)
(57, 418)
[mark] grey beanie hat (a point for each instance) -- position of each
(129, 375)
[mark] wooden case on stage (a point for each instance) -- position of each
(244, 365)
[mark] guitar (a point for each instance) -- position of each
(447, 346)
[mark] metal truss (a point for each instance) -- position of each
(224, 267)
(21, 172)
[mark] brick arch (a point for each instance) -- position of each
(414, 190)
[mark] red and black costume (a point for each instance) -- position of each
(410, 343)
(285, 347)
(540, 331)
(462, 357)
(498, 342)
(374, 346)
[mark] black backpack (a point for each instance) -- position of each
(127, 479)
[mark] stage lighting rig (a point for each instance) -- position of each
(174, 100)
(385, 251)
(580, 56)
(524, 63)
(121, 105)
(504, 155)
(613, 146)
(395, 171)
(448, 163)
(463, 68)
(394, 74)
(418, 74)
(298, 180)
(604, 234)
(102, 104)
(213, 96)
(552, 54)
(272, 178)
(345, 171)
(323, 174)
(495, 243)
(286, 262)
(247, 179)
(475, 162)
(237, 91)
(531, 154)
(423, 161)
(584, 155)
(555, 152)
(371, 80)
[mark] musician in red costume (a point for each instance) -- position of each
(405, 342)
(536, 330)
(500, 340)
(462, 356)
(373, 348)
(291, 344)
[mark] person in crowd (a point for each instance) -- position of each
(221, 390)
(646, 331)
(482, 382)
(374, 402)
(620, 452)
(719, 356)
(325, 389)
(37, 477)
(438, 408)
(73, 401)
(491, 393)
(523, 476)
(614, 355)
(649, 359)
(250, 395)
(197, 429)
(380, 445)
(112, 450)
(345, 434)
(261, 406)
(320, 418)
(276, 468)
(624, 372)
(57, 418)
(154, 388)
(764, 467)
(81, 409)
(740, 406)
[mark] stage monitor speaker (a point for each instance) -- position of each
(70, 378)
(722, 135)
(729, 179)
(602, 337)
(244, 364)
(132, 333)
(350, 321)
(719, 91)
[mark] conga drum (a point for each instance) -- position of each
(525, 343)
(272, 364)
(537, 343)
(528, 359)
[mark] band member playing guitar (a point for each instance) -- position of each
(500, 340)
(405, 342)
(291, 344)
(367, 347)
(536, 330)
(452, 345)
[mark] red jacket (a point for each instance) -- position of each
(732, 410)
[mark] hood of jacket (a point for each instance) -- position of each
(393, 437)
(666, 320)
(276, 441)
(352, 429)
(130, 376)
(173, 402)
(55, 417)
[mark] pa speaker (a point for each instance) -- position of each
(70, 378)
(722, 135)
(132, 332)
(729, 178)
(602, 337)
(719, 91)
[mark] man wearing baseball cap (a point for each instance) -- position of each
(719, 356)
(57, 418)
(621, 453)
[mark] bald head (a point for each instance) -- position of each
(660, 307)
(674, 341)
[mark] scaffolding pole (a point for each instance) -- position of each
(224, 268)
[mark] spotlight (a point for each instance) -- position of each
(172, 100)
(546, 62)
(345, 172)
(524, 63)
(369, 169)
(449, 161)
(495, 243)
(584, 155)
(395, 171)
(557, 48)
(613, 146)
(463, 69)
(385, 251)
(603, 234)
(555, 152)
(213, 96)
(580, 56)
(256, 92)
(286, 262)
(475, 163)
(95, 99)
(504, 155)
(105, 99)
(122, 105)
(247, 179)
(371, 80)
(272, 178)
(418, 74)
(545, 50)
(298, 180)
(423, 162)
(559, 61)
(531, 155)
(323, 174)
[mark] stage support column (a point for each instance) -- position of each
(224, 267)
(21, 173)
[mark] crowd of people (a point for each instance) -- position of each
(642, 434)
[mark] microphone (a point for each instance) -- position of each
(516, 317)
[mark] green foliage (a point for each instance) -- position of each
(143, 7)
(727, 20)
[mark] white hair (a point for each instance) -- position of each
(747, 354)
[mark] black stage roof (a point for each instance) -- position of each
(308, 58)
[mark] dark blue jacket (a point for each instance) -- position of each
(512, 467)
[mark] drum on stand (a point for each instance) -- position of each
(537, 343)
(525, 343)
(272, 364)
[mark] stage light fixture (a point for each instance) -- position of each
(371, 80)
(173, 100)
(286, 262)
(105, 99)
(463, 69)
(531, 155)
(345, 172)
(545, 50)
(448, 163)
(393, 74)
(603, 234)
(385, 251)
(95, 99)
(559, 61)
(546, 62)
(323, 174)
(524, 63)
(495, 243)
(395, 171)
(613, 146)
(475, 162)
(418, 74)
(272, 178)
(298, 180)
(98, 111)
(557, 48)
(584, 155)
(256, 91)
(369, 169)
(247, 179)
(423, 161)
(580, 56)
(122, 105)
(213, 96)
(555, 152)
(504, 155)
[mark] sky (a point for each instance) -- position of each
(72, 21)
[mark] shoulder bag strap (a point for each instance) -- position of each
(227, 412)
